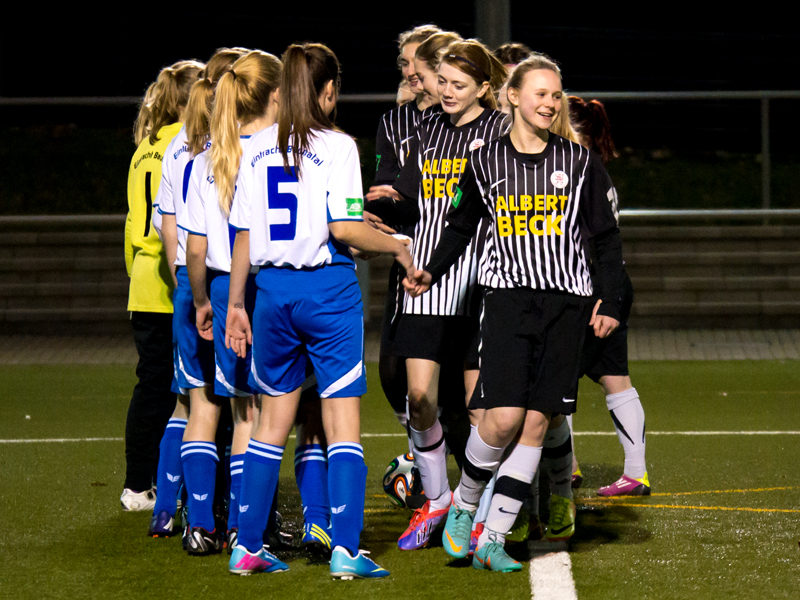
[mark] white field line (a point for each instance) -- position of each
(551, 576)
(387, 435)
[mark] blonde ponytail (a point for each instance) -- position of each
(243, 94)
(201, 99)
(165, 99)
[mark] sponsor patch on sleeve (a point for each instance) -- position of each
(355, 207)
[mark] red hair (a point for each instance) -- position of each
(591, 121)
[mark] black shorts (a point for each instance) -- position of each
(393, 310)
(530, 349)
(609, 356)
(440, 339)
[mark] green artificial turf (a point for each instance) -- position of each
(63, 535)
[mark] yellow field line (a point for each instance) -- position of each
(742, 509)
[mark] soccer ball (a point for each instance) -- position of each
(400, 479)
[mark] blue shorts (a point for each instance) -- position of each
(308, 315)
(175, 388)
(232, 372)
(195, 355)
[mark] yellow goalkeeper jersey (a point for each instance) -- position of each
(151, 281)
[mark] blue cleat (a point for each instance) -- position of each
(243, 562)
(316, 539)
(345, 566)
(161, 525)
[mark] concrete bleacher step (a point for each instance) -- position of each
(683, 276)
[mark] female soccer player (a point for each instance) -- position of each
(195, 361)
(442, 323)
(605, 361)
(539, 191)
(193, 358)
(150, 297)
(395, 132)
(297, 208)
(247, 95)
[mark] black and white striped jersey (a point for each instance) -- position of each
(538, 205)
(443, 155)
(395, 131)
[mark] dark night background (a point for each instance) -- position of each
(78, 55)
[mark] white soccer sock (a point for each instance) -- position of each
(480, 462)
(486, 501)
(557, 460)
(514, 479)
(628, 416)
(431, 460)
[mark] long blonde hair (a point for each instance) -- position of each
(562, 125)
(243, 94)
(198, 109)
(165, 98)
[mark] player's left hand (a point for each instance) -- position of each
(603, 325)
(204, 319)
(376, 223)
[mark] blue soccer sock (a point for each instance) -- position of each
(200, 473)
(347, 483)
(236, 470)
(311, 472)
(262, 465)
(170, 471)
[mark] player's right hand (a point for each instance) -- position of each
(204, 319)
(238, 334)
(417, 282)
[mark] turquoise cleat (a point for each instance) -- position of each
(493, 557)
(457, 532)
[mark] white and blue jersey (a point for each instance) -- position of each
(175, 172)
(194, 357)
(288, 219)
(204, 216)
(308, 305)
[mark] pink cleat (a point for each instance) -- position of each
(627, 486)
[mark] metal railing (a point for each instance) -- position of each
(764, 96)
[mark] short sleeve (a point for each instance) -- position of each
(193, 218)
(345, 193)
(598, 198)
(240, 205)
(165, 197)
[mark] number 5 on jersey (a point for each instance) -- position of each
(281, 202)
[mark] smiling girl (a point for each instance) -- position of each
(539, 191)
(442, 323)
